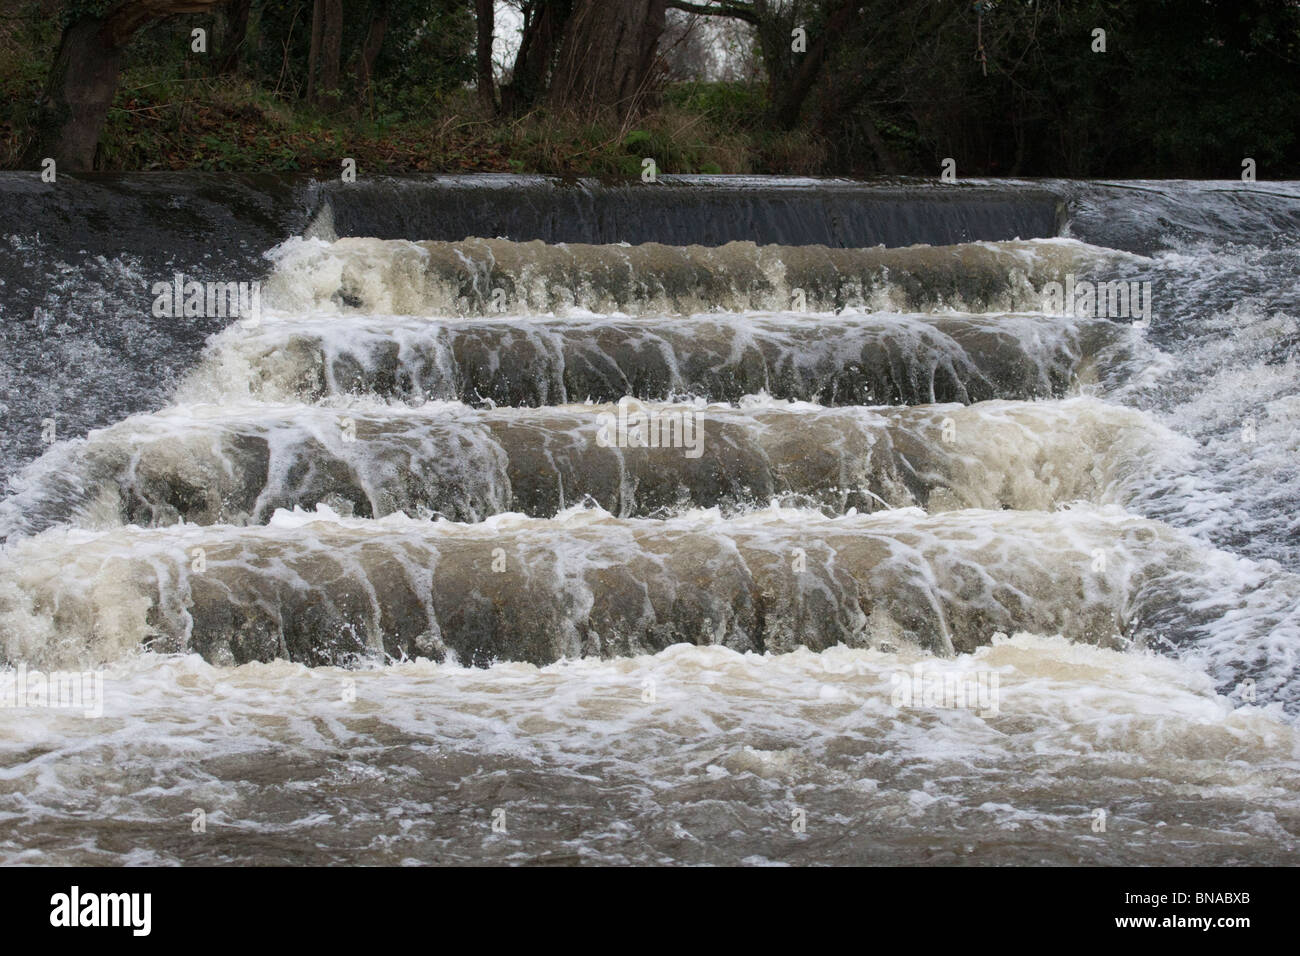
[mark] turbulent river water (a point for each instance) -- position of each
(722, 521)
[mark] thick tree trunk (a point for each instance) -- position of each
(80, 90)
(485, 15)
(374, 42)
(331, 51)
(83, 80)
(608, 55)
(237, 14)
(543, 27)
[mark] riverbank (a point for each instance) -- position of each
(229, 124)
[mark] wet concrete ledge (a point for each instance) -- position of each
(683, 210)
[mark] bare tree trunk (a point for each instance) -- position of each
(331, 51)
(237, 12)
(608, 55)
(773, 26)
(374, 42)
(83, 80)
(543, 27)
(313, 51)
(485, 15)
(76, 101)
(884, 157)
(788, 100)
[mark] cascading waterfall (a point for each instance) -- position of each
(714, 528)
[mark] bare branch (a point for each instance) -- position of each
(727, 9)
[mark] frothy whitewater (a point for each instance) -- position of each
(516, 551)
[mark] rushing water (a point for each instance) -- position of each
(651, 526)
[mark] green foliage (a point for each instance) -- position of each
(734, 105)
(428, 50)
(1185, 87)
(679, 141)
(76, 9)
(429, 46)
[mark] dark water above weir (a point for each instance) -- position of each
(687, 210)
(648, 519)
